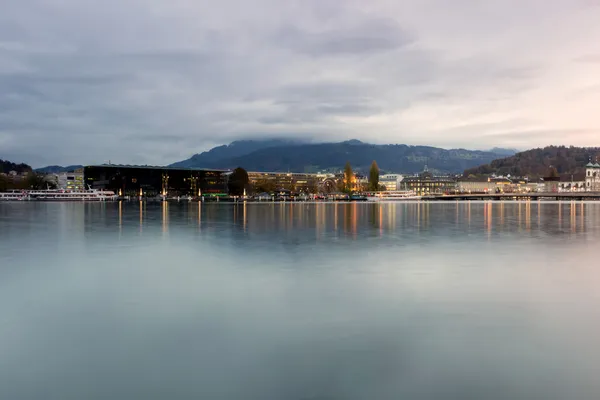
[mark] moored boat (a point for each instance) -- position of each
(72, 195)
(397, 195)
(14, 195)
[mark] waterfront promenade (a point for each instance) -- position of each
(517, 196)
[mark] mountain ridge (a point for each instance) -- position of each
(279, 156)
(233, 149)
(55, 169)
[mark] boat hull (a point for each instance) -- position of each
(70, 196)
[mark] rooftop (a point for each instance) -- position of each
(154, 167)
(572, 177)
(287, 173)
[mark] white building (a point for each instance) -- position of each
(592, 177)
(70, 180)
(391, 181)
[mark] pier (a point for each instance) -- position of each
(517, 196)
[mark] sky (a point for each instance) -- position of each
(154, 81)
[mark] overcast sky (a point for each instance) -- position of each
(154, 81)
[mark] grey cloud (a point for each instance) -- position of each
(320, 112)
(544, 137)
(323, 91)
(349, 109)
(154, 139)
(318, 101)
(152, 82)
(370, 37)
(589, 59)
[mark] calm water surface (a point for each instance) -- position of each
(300, 301)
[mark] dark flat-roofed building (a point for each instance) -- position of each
(150, 181)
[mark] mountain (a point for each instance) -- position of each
(55, 169)
(234, 149)
(7, 166)
(504, 152)
(537, 162)
(303, 157)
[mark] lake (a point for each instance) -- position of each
(300, 301)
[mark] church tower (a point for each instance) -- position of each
(592, 177)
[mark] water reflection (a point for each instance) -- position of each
(299, 301)
(141, 207)
(165, 217)
(350, 220)
(357, 220)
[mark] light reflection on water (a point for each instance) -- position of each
(489, 300)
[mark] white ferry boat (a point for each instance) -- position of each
(14, 195)
(72, 195)
(396, 195)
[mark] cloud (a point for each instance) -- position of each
(589, 58)
(368, 37)
(153, 82)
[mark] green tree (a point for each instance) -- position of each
(37, 182)
(264, 185)
(348, 177)
(4, 183)
(312, 186)
(374, 176)
(238, 181)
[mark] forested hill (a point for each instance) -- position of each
(55, 169)
(536, 162)
(7, 166)
(302, 157)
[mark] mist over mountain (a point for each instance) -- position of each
(277, 155)
(294, 155)
(234, 149)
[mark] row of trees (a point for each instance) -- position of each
(7, 166)
(350, 183)
(269, 186)
(31, 181)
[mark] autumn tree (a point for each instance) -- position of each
(348, 177)
(374, 177)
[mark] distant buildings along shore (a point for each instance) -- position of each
(149, 181)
